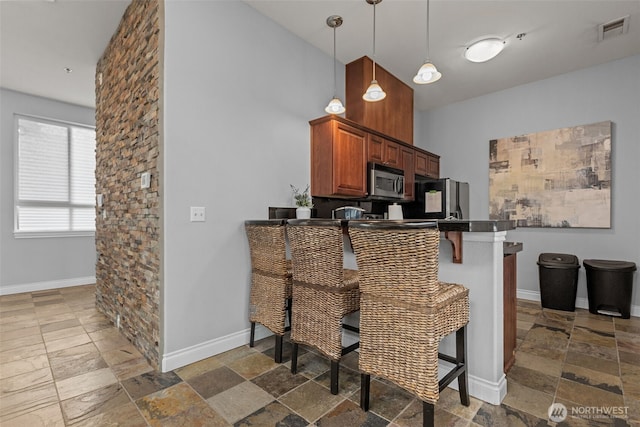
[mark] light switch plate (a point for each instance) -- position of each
(197, 214)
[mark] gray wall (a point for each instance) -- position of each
(236, 134)
(460, 133)
(37, 263)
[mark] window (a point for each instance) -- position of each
(55, 178)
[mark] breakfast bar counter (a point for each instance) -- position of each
(488, 271)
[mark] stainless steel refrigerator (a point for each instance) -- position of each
(442, 198)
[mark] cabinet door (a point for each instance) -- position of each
(433, 167)
(384, 152)
(409, 173)
(349, 161)
(421, 164)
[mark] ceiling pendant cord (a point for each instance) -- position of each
(335, 105)
(374, 41)
(427, 72)
(374, 92)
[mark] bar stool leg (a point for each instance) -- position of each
(294, 358)
(335, 367)
(365, 386)
(461, 359)
(278, 350)
(428, 414)
(253, 334)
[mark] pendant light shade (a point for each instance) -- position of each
(428, 73)
(374, 92)
(335, 105)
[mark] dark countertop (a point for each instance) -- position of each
(510, 248)
(477, 226)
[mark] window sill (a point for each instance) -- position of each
(51, 234)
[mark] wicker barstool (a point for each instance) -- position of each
(323, 292)
(271, 279)
(405, 311)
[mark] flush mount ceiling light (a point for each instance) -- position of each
(484, 50)
(374, 92)
(428, 73)
(335, 105)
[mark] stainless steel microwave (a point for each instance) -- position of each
(385, 182)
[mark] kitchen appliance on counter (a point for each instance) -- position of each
(385, 182)
(442, 198)
(347, 212)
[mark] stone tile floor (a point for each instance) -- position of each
(62, 363)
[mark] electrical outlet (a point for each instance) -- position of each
(145, 180)
(197, 214)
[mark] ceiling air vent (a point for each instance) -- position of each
(613, 28)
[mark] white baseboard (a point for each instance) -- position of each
(479, 388)
(580, 301)
(179, 358)
(43, 286)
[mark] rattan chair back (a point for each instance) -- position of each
(271, 278)
(323, 291)
(404, 309)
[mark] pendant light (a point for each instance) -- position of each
(374, 92)
(428, 72)
(335, 105)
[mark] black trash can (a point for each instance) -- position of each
(558, 280)
(609, 286)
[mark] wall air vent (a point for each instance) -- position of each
(613, 28)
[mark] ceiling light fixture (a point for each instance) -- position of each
(374, 92)
(428, 73)
(335, 105)
(484, 50)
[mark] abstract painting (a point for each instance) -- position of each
(556, 178)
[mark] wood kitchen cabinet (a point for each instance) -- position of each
(408, 165)
(427, 164)
(384, 152)
(338, 159)
(341, 149)
(393, 116)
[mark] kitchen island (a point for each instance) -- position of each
(488, 271)
(487, 256)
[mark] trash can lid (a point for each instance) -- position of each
(554, 260)
(610, 265)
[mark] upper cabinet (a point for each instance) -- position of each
(338, 159)
(393, 116)
(384, 152)
(341, 149)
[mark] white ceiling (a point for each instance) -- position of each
(38, 39)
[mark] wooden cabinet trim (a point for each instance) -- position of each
(372, 132)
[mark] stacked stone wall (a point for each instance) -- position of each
(128, 223)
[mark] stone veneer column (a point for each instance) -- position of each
(127, 130)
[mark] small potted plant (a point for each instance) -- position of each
(303, 202)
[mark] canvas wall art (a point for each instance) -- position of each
(556, 178)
